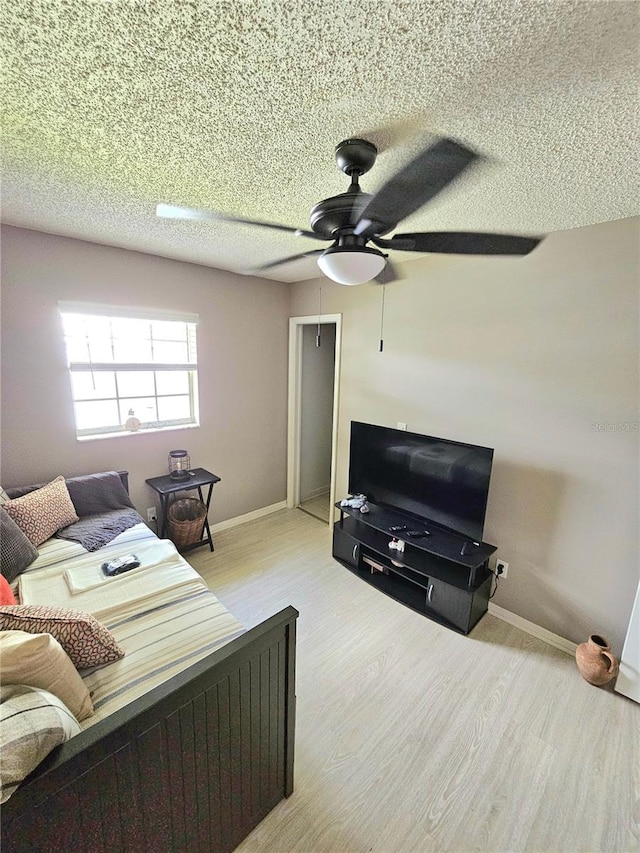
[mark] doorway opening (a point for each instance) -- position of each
(313, 413)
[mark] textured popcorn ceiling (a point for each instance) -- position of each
(111, 106)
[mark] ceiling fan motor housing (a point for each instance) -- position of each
(333, 215)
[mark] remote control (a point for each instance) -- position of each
(120, 565)
(397, 527)
(417, 534)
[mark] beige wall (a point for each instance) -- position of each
(521, 355)
(524, 356)
(242, 355)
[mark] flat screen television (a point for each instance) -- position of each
(432, 479)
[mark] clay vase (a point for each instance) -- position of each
(596, 663)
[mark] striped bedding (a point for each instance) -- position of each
(162, 614)
(33, 722)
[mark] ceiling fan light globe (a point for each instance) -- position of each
(351, 266)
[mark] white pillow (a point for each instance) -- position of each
(32, 723)
(40, 661)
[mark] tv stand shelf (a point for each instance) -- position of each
(431, 575)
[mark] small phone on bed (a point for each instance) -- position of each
(120, 565)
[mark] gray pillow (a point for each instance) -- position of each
(16, 550)
(95, 493)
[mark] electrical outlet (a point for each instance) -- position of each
(502, 568)
(152, 515)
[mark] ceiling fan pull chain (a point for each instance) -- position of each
(319, 314)
(381, 347)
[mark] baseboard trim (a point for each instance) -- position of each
(248, 516)
(531, 628)
(315, 493)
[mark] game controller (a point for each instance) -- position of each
(120, 565)
(356, 502)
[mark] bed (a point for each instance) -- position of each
(188, 755)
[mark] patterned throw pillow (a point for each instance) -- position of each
(32, 723)
(16, 551)
(84, 639)
(41, 512)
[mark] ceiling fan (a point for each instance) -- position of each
(353, 219)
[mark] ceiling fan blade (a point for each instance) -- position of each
(388, 274)
(461, 243)
(413, 186)
(280, 261)
(172, 211)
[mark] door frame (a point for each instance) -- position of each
(628, 682)
(296, 325)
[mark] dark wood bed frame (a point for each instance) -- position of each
(193, 765)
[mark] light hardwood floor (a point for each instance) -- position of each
(411, 737)
(318, 506)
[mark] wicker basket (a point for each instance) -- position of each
(186, 518)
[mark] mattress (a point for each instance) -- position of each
(162, 614)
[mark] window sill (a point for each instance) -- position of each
(127, 434)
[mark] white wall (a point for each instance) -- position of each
(525, 356)
(242, 359)
(316, 403)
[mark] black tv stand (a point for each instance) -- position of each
(442, 575)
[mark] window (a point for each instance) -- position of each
(131, 370)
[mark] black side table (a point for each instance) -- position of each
(167, 486)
